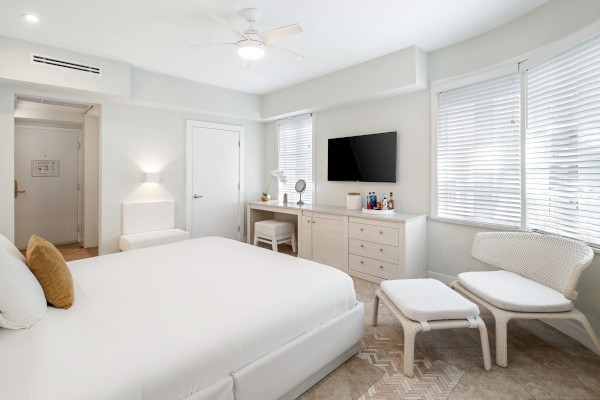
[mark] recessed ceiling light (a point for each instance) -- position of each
(31, 18)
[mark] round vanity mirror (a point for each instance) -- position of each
(300, 188)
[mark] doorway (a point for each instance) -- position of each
(56, 185)
(214, 180)
(47, 182)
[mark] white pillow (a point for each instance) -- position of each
(22, 300)
(11, 248)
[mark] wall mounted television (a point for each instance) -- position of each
(364, 158)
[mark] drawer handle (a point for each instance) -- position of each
(361, 229)
(381, 266)
(313, 222)
(362, 262)
(381, 232)
(380, 249)
(362, 245)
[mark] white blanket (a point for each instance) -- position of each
(165, 322)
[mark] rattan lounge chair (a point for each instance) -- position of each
(537, 279)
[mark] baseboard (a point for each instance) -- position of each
(447, 279)
(567, 327)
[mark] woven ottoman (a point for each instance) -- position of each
(422, 305)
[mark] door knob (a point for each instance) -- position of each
(197, 196)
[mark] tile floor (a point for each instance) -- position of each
(543, 362)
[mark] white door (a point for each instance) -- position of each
(48, 207)
(215, 182)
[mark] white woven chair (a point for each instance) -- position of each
(537, 279)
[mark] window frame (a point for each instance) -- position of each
(313, 117)
(528, 60)
(448, 84)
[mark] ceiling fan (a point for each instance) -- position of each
(251, 44)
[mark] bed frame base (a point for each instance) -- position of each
(322, 373)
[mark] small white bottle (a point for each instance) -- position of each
(384, 203)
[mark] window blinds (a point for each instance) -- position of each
(295, 156)
(478, 155)
(563, 143)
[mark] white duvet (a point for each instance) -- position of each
(165, 322)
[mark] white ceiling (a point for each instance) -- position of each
(155, 34)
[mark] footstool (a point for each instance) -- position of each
(422, 305)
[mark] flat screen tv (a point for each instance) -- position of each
(365, 158)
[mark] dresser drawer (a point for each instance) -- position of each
(377, 251)
(380, 269)
(373, 233)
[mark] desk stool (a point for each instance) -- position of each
(275, 232)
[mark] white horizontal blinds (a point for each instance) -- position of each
(563, 143)
(295, 155)
(478, 154)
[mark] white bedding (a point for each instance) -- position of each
(167, 321)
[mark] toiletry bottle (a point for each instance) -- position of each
(369, 201)
(374, 200)
(391, 202)
(384, 203)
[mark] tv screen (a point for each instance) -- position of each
(366, 158)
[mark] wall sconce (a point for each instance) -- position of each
(153, 177)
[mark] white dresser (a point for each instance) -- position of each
(371, 247)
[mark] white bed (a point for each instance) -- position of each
(207, 318)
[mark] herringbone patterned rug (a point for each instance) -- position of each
(432, 380)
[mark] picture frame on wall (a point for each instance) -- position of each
(45, 168)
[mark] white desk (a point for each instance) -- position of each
(372, 247)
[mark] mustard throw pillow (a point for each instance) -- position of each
(50, 269)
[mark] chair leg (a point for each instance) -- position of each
(590, 331)
(501, 341)
(274, 244)
(294, 242)
(485, 345)
(375, 311)
(409, 350)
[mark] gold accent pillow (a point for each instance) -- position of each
(50, 269)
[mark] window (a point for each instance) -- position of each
(296, 156)
(478, 152)
(488, 164)
(563, 143)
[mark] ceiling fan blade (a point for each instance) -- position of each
(280, 33)
(227, 25)
(299, 56)
(211, 44)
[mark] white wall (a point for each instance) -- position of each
(7, 163)
(91, 180)
(409, 116)
(137, 139)
(16, 65)
(403, 71)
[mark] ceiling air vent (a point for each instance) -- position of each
(64, 64)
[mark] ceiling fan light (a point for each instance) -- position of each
(251, 49)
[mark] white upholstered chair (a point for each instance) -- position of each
(537, 279)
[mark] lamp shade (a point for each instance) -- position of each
(152, 177)
(251, 49)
